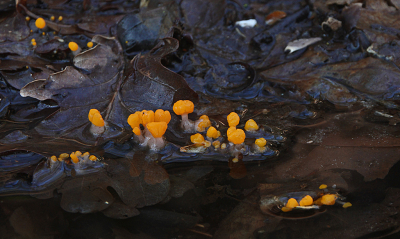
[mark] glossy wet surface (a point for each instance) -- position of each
(327, 107)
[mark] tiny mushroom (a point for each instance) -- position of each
(97, 121)
(251, 125)
(183, 108)
(157, 130)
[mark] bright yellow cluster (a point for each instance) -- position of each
(75, 157)
(156, 123)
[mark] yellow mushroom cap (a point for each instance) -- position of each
(74, 157)
(85, 154)
(162, 116)
(157, 129)
(183, 107)
(52, 18)
(323, 186)
(63, 156)
(251, 125)
(90, 44)
(53, 158)
(197, 138)
(40, 23)
(205, 123)
(27, 18)
(328, 199)
(147, 117)
(134, 120)
(261, 142)
(213, 133)
(233, 119)
(33, 43)
(292, 203)
(95, 117)
(92, 158)
(60, 18)
(92, 112)
(73, 46)
(347, 204)
(306, 201)
(230, 130)
(237, 137)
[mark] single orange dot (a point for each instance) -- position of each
(73, 46)
(40, 23)
(52, 18)
(90, 44)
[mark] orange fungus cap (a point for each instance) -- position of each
(40, 23)
(157, 129)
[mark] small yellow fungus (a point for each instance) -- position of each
(33, 43)
(323, 186)
(53, 158)
(237, 137)
(92, 158)
(40, 23)
(347, 204)
(182, 107)
(95, 117)
(27, 18)
(251, 125)
(33, 40)
(216, 144)
(74, 156)
(60, 18)
(197, 138)
(223, 146)
(43, 33)
(31, 30)
(147, 117)
(126, 42)
(213, 133)
(286, 209)
(162, 116)
(261, 142)
(306, 201)
(90, 44)
(204, 123)
(328, 199)
(233, 119)
(157, 129)
(54, 32)
(134, 120)
(230, 130)
(235, 160)
(52, 18)
(63, 156)
(73, 46)
(85, 154)
(292, 203)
